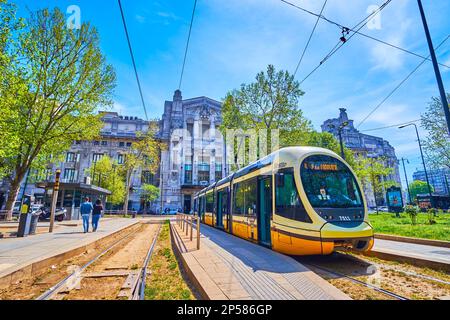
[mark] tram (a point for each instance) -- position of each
(297, 201)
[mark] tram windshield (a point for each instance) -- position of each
(328, 183)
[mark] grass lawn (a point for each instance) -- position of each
(387, 223)
(166, 282)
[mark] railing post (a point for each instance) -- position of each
(198, 233)
(192, 226)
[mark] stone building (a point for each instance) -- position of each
(116, 138)
(194, 155)
(366, 146)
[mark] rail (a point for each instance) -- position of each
(186, 223)
(139, 292)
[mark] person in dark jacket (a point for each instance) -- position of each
(96, 214)
(86, 210)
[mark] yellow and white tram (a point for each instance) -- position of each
(297, 201)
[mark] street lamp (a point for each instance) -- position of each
(339, 130)
(406, 177)
(423, 160)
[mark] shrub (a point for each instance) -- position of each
(432, 213)
(412, 211)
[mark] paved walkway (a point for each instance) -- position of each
(419, 251)
(227, 267)
(18, 253)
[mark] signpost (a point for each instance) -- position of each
(54, 200)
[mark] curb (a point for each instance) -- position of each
(435, 265)
(427, 242)
(34, 268)
(187, 269)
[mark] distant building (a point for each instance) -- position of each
(439, 179)
(194, 157)
(366, 146)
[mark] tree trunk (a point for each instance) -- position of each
(12, 196)
(127, 193)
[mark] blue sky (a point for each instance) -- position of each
(232, 40)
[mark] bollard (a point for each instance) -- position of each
(192, 226)
(187, 226)
(198, 233)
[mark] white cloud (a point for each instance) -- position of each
(141, 19)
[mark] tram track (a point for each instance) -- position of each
(358, 277)
(365, 284)
(134, 286)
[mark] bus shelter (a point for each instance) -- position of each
(72, 195)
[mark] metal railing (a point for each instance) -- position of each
(119, 213)
(186, 223)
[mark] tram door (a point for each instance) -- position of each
(223, 215)
(264, 210)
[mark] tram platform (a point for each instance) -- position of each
(229, 268)
(419, 254)
(24, 257)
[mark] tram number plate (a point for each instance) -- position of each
(345, 218)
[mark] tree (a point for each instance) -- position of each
(8, 136)
(418, 187)
(107, 174)
(144, 154)
(271, 102)
(372, 171)
(56, 80)
(437, 143)
(150, 193)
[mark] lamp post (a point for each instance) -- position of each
(406, 177)
(423, 160)
(339, 130)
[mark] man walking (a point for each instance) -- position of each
(86, 210)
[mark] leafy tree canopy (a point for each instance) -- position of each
(437, 143)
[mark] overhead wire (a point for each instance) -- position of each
(133, 60)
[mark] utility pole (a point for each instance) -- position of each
(54, 200)
(423, 161)
(406, 177)
(436, 67)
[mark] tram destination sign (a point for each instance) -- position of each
(321, 166)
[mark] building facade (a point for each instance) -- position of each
(367, 146)
(116, 138)
(439, 179)
(194, 153)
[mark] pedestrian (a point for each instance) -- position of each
(96, 214)
(86, 210)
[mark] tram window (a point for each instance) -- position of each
(329, 183)
(287, 200)
(245, 198)
(210, 202)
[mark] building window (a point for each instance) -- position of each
(96, 143)
(121, 159)
(203, 174)
(148, 178)
(70, 157)
(104, 143)
(218, 175)
(69, 175)
(97, 157)
(78, 142)
(121, 144)
(188, 174)
(190, 129)
(129, 144)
